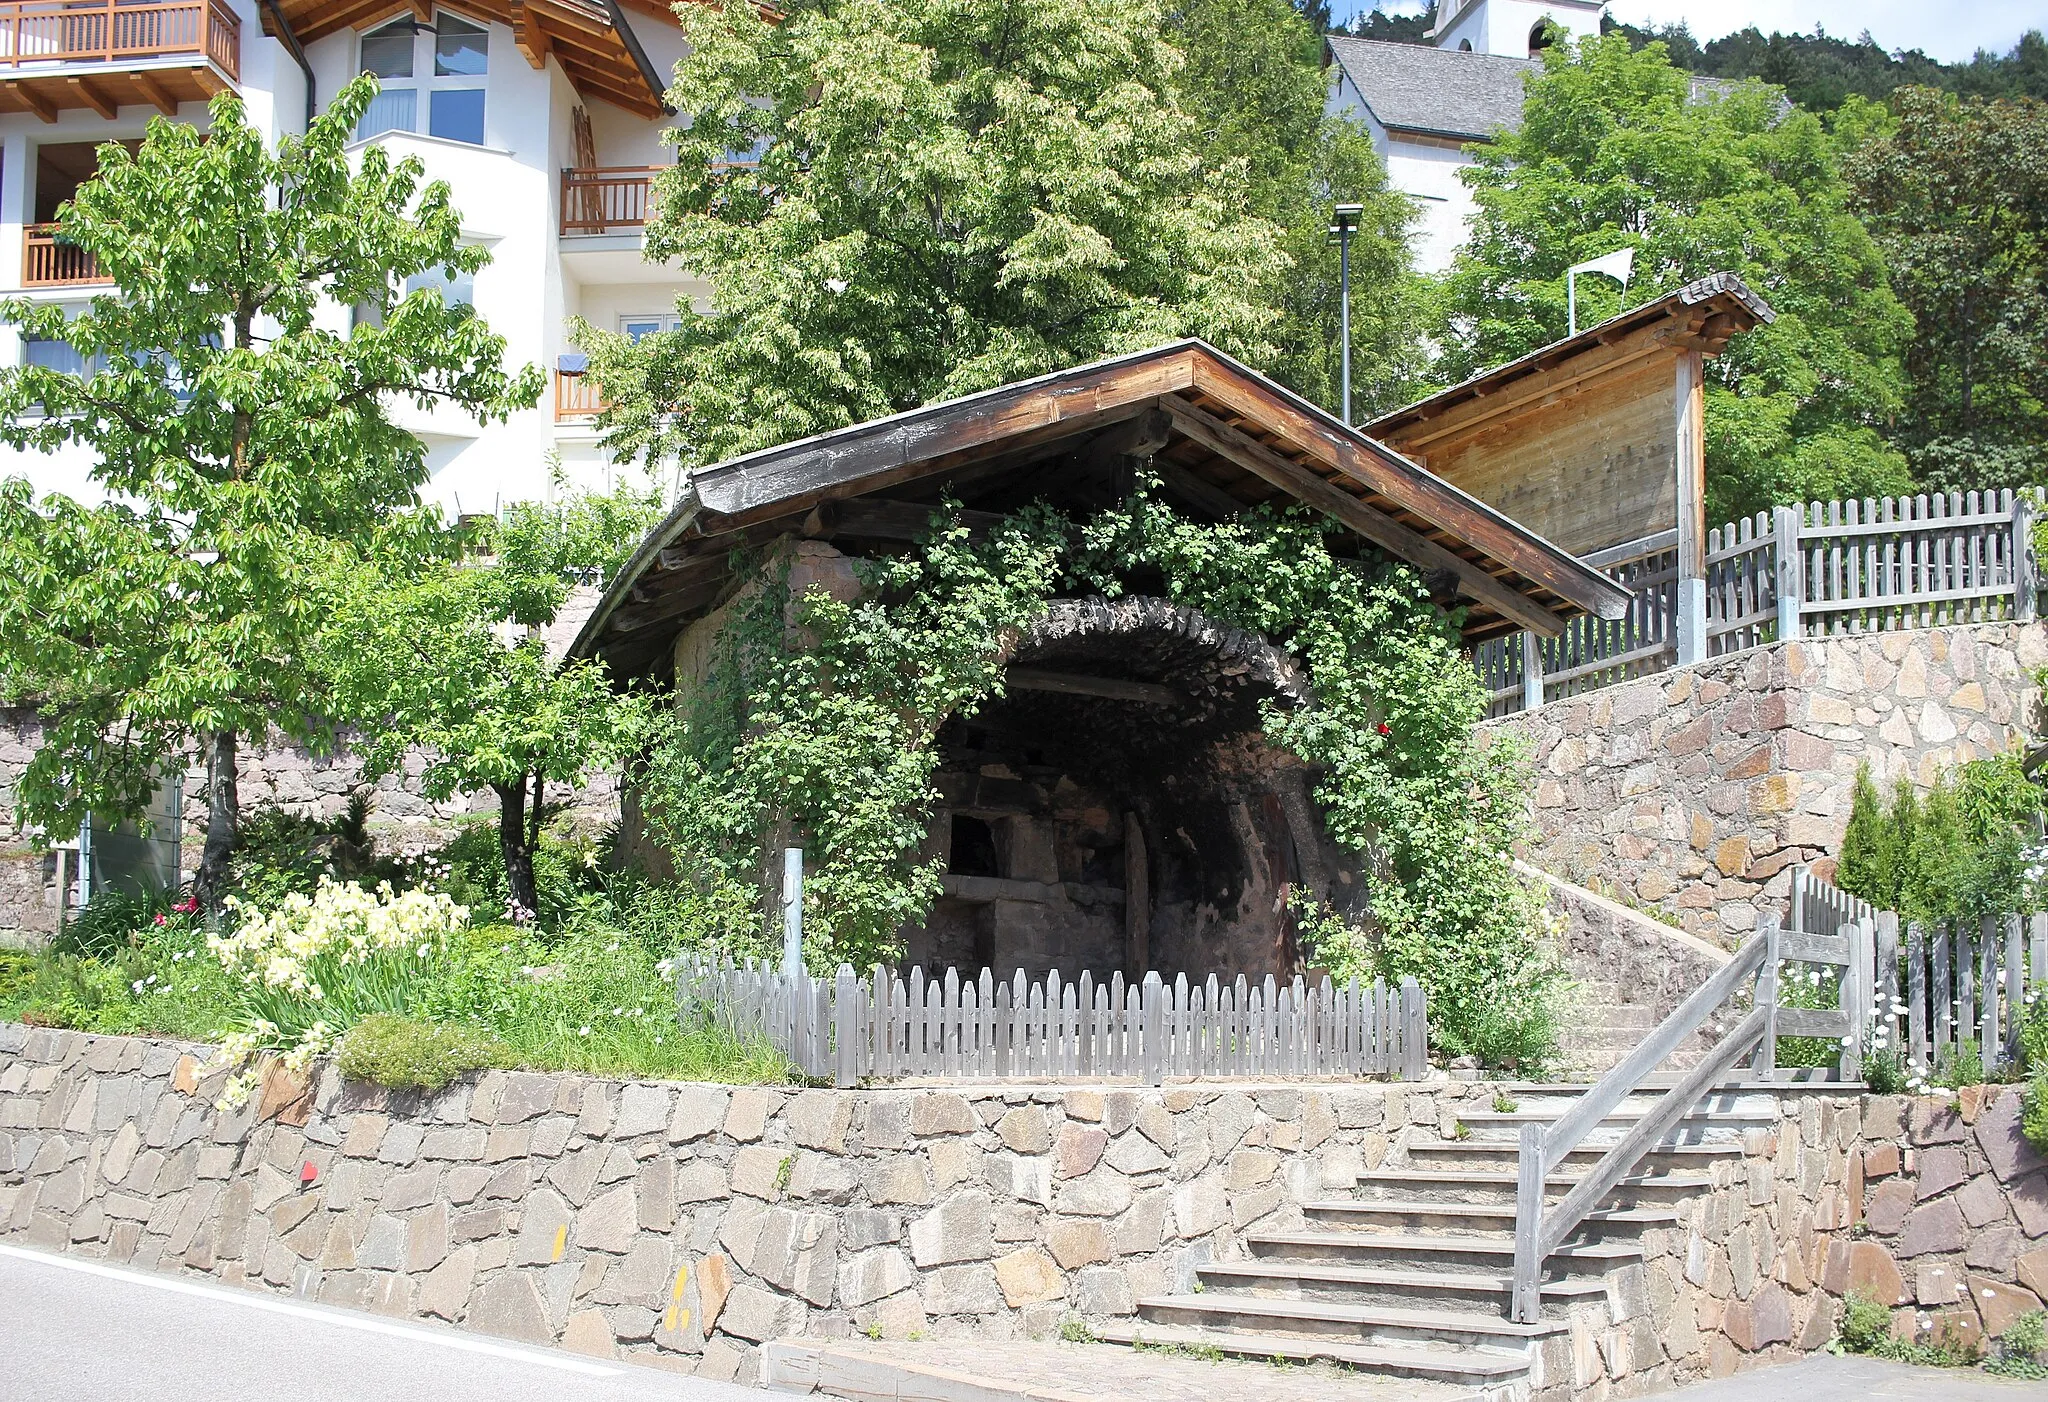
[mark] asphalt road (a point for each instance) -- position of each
(1822, 1378)
(80, 1331)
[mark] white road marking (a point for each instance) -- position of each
(325, 1314)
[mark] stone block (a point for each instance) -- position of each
(1762, 1321)
(1865, 1266)
(699, 1111)
(1134, 1153)
(1936, 1122)
(1885, 1209)
(1024, 1130)
(1101, 1193)
(965, 1289)
(2032, 1270)
(509, 1306)
(1104, 1291)
(1081, 1146)
(2029, 1200)
(1941, 1168)
(643, 1109)
(959, 1229)
(1935, 1227)
(818, 1119)
(942, 1112)
(751, 1108)
(588, 1333)
(1935, 1286)
(610, 1222)
(1077, 1243)
(898, 1180)
(1982, 1201)
(460, 1144)
(1880, 1161)
(757, 1171)
(1029, 1276)
(874, 1275)
(702, 1182)
(1999, 1303)
(1200, 1206)
(1249, 1168)
(2005, 1148)
(1994, 1249)
(446, 1287)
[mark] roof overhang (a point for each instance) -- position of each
(1701, 315)
(1220, 436)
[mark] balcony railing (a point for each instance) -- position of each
(577, 397)
(47, 261)
(602, 199)
(39, 32)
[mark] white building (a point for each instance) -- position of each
(1424, 105)
(544, 116)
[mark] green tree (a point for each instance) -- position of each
(1957, 196)
(939, 196)
(247, 450)
(1255, 81)
(1613, 152)
(455, 663)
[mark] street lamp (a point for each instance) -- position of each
(1347, 217)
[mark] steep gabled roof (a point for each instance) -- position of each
(1220, 436)
(1437, 92)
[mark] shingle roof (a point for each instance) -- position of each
(1444, 92)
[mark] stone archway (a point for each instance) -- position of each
(1120, 807)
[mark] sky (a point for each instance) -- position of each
(1950, 30)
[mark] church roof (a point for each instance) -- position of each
(1437, 92)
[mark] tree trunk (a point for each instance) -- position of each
(517, 849)
(223, 820)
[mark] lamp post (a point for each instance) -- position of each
(1347, 217)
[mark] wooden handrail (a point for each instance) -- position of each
(1540, 1231)
(577, 397)
(35, 32)
(47, 261)
(599, 199)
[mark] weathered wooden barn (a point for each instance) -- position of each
(1119, 807)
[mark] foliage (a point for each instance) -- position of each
(1957, 851)
(1956, 193)
(1255, 83)
(1811, 987)
(17, 975)
(936, 196)
(409, 1054)
(246, 449)
(1612, 153)
(828, 746)
(2034, 1099)
(456, 660)
(2020, 1347)
(1866, 1328)
(113, 916)
(1820, 71)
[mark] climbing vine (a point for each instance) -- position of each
(817, 722)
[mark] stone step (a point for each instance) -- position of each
(1368, 1323)
(1498, 1186)
(1416, 1216)
(1480, 1154)
(1491, 1376)
(1700, 1127)
(1462, 1292)
(1463, 1254)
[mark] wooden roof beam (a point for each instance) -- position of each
(528, 37)
(150, 88)
(32, 101)
(93, 98)
(1333, 501)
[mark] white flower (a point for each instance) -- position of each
(583, 1031)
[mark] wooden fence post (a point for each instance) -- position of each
(1786, 523)
(1526, 1307)
(1151, 994)
(1766, 1062)
(2026, 580)
(1414, 1031)
(1917, 1047)
(2015, 988)
(1532, 671)
(846, 1028)
(1887, 993)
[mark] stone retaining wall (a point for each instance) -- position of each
(680, 1225)
(1954, 1203)
(1696, 791)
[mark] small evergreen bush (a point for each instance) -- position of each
(408, 1054)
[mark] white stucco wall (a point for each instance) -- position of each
(1504, 26)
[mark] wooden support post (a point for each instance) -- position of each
(1526, 1306)
(2026, 579)
(1689, 453)
(1137, 900)
(1791, 592)
(1532, 671)
(1766, 1062)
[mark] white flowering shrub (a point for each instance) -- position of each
(315, 965)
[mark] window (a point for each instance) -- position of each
(436, 71)
(635, 327)
(456, 289)
(60, 356)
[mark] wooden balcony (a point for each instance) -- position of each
(47, 261)
(106, 56)
(577, 397)
(607, 199)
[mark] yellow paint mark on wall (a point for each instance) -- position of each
(561, 1240)
(682, 1277)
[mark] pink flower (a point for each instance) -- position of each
(159, 918)
(1386, 729)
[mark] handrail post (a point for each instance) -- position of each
(1766, 1063)
(1786, 523)
(1526, 1306)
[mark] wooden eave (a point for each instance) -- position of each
(105, 88)
(1701, 316)
(590, 39)
(1220, 435)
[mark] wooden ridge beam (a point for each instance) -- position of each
(1315, 490)
(1195, 490)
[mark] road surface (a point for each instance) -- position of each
(84, 1331)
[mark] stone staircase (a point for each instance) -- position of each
(1410, 1277)
(1605, 1027)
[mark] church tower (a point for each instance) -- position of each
(1511, 28)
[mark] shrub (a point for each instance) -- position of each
(1958, 850)
(17, 976)
(1866, 1328)
(408, 1054)
(115, 919)
(2034, 1110)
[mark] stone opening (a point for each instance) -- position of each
(1137, 817)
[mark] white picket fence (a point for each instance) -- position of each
(1959, 981)
(1823, 569)
(889, 1027)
